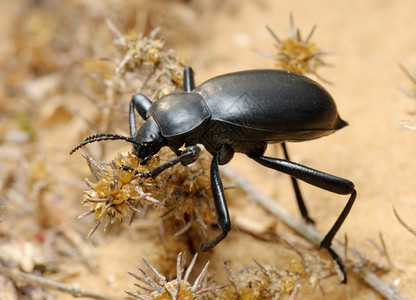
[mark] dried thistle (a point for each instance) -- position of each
(180, 196)
(139, 54)
(258, 282)
(141, 64)
(119, 189)
(165, 253)
(186, 211)
(178, 288)
(296, 54)
(267, 282)
(190, 190)
(182, 193)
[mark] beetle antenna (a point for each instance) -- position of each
(102, 137)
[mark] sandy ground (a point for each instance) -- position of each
(369, 40)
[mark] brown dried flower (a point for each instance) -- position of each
(182, 193)
(259, 282)
(139, 54)
(119, 189)
(267, 282)
(179, 288)
(298, 55)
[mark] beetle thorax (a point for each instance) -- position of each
(179, 113)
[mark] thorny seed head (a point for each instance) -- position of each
(298, 55)
(140, 54)
(119, 189)
(178, 288)
(182, 193)
(268, 282)
(259, 282)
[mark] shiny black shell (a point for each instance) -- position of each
(281, 104)
(247, 110)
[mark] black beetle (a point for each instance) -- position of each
(239, 112)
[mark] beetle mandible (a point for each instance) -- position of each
(239, 112)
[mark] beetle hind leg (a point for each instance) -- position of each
(298, 194)
(326, 242)
(324, 181)
(223, 218)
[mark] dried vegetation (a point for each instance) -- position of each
(64, 78)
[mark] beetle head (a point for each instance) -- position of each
(147, 141)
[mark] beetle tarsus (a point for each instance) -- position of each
(205, 246)
(339, 262)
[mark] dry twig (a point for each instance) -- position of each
(18, 276)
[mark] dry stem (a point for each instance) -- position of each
(18, 276)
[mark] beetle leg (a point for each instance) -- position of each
(188, 79)
(141, 103)
(317, 178)
(299, 198)
(188, 156)
(326, 242)
(220, 202)
(322, 180)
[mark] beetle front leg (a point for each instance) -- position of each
(220, 203)
(141, 103)
(188, 156)
(322, 180)
(299, 198)
(188, 79)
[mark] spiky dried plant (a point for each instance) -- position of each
(140, 64)
(181, 194)
(296, 54)
(178, 288)
(119, 190)
(140, 54)
(260, 281)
